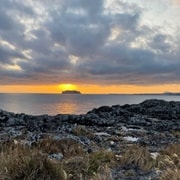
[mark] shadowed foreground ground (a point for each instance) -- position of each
(138, 141)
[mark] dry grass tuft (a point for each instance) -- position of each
(82, 131)
(176, 133)
(139, 156)
(68, 147)
(90, 165)
(172, 149)
(104, 173)
(100, 159)
(173, 174)
(169, 162)
(76, 168)
(19, 162)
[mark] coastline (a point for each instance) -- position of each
(152, 124)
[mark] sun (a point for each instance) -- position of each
(64, 87)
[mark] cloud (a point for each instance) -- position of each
(6, 22)
(82, 41)
(7, 55)
(177, 2)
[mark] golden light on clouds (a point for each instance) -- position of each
(7, 44)
(12, 67)
(89, 88)
(44, 89)
(115, 32)
(176, 2)
(73, 59)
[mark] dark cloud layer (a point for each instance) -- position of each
(84, 41)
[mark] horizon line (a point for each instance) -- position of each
(163, 93)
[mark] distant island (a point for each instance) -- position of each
(71, 92)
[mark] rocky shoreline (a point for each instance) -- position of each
(153, 123)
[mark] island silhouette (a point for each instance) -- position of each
(71, 92)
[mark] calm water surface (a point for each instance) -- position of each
(53, 104)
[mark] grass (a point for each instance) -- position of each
(82, 131)
(29, 163)
(99, 159)
(21, 162)
(89, 165)
(169, 162)
(176, 133)
(68, 147)
(139, 156)
(104, 173)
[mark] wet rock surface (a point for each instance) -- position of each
(152, 123)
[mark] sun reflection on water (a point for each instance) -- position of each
(66, 108)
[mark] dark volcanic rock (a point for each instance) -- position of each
(132, 172)
(157, 108)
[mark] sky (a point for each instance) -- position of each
(97, 46)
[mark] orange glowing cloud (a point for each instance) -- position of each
(177, 2)
(90, 89)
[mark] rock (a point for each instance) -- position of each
(102, 134)
(12, 132)
(130, 138)
(112, 143)
(131, 172)
(3, 119)
(100, 110)
(56, 157)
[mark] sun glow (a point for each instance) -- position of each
(64, 87)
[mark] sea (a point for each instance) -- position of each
(53, 104)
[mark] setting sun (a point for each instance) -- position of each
(64, 87)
